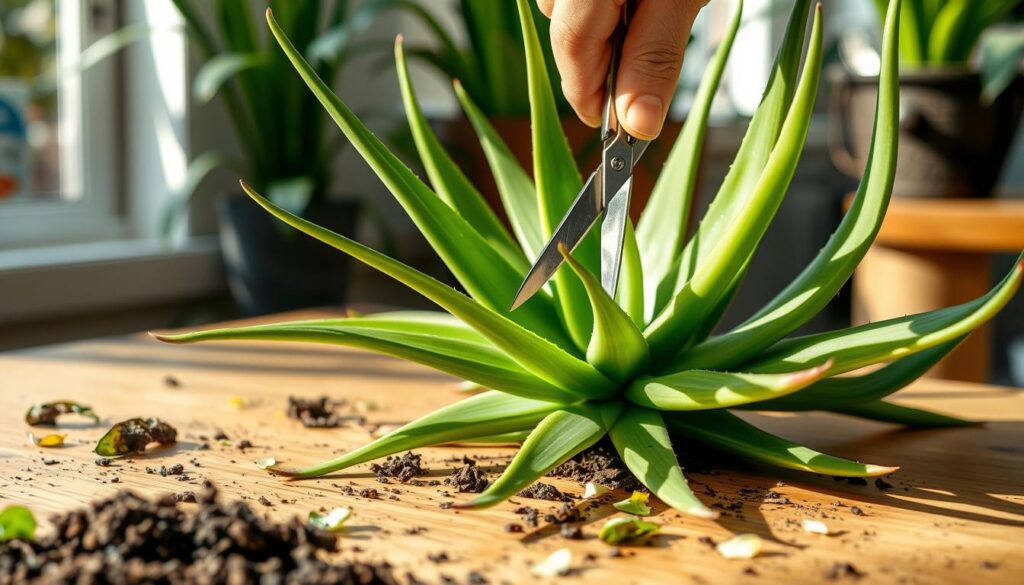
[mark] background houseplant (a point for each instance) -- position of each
(283, 145)
(573, 366)
(954, 136)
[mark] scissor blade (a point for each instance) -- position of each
(613, 236)
(577, 222)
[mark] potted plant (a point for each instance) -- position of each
(281, 132)
(574, 365)
(958, 120)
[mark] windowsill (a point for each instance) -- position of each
(64, 280)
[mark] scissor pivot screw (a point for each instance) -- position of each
(618, 163)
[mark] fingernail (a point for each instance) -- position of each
(645, 115)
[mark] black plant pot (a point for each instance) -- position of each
(272, 267)
(951, 145)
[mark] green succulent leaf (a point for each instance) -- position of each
(642, 441)
(888, 412)
(630, 293)
(661, 231)
(558, 437)
(515, 187)
(818, 284)
(17, 523)
(672, 330)
(617, 347)
(448, 180)
(744, 174)
(728, 432)
(535, 354)
(705, 389)
(482, 270)
(558, 180)
(476, 417)
(837, 392)
(222, 69)
(451, 349)
(885, 341)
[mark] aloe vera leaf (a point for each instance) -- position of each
(516, 189)
(419, 342)
(642, 441)
(617, 347)
(558, 180)
(819, 282)
(951, 23)
(755, 150)
(705, 389)
(534, 353)
(833, 393)
(728, 432)
(510, 437)
(630, 293)
(447, 178)
(562, 434)
(888, 412)
(661, 231)
(885, 341)
(483, 415)
(484, 272)
(678, 322)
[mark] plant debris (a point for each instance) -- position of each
(841, 570)
(315, 413)
(632, 529)
(332, 521)
(599, 464)
(744, 546)
(153, 541)
(594, 490)
(815, 527)
(402, 468)
(468, 478)
(266, 463)
(636, 504)
(51, 440)
(46, 413)
(556, 564)
(541, 491)
(17, 523)
(133, 435)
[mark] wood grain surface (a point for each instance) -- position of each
(955, 513)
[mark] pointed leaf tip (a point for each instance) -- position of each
(806, 377)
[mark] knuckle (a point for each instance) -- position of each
(658, 60)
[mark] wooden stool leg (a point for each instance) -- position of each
(893, 282)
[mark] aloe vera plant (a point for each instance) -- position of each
(574, 365)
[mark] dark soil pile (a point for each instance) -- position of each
(314, 412)
(128, 539)
(541, 491)
(468, 478)
(402, 468)
(598, 464)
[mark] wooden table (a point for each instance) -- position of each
(955, 514)
(934, 253)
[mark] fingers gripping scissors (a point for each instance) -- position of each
(607, 192)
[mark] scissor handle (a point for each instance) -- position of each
(609, 120)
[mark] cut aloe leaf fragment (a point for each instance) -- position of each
(888, 412)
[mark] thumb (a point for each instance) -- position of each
(652, 56)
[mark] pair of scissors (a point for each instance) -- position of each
(607, 192)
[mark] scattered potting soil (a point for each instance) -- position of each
(402, 468)
(541, 491)
(598, 464)
(129, 539)
(841, 570)
(468, 478)
(133, 435)
(315, 412)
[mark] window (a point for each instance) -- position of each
(59, 124)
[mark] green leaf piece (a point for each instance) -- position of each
(661, 231)
(635, 504)
(476, 417)
(818, 284)
(705, 389)
(642, 440)
(333, 521)
(558, 180)
(617, 347)
(631, 529)
(537, 355)
(448, 180)
(562, 434)
(888, 412)
(17, 523)
(672, 330)
(891, 339)
(451, 349)
(46, 413)
(728, 432)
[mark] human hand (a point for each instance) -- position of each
(652, 55)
